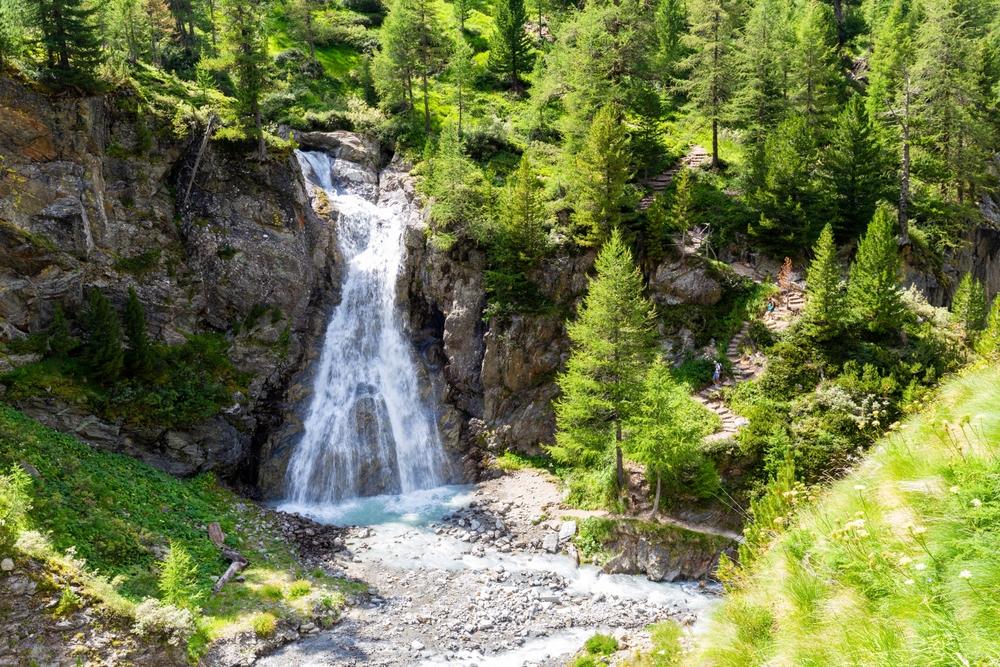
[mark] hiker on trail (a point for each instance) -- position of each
(717, 373)
(770, 305)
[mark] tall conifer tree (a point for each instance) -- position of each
(709, 66)
(873, 286)
(603, 168)
(71, 39)
(825, 304)
(612, 344)
(246, 45)
(509, 47)
(102, 347)
(139, 353)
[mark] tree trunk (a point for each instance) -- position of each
(427, 108)
(656, 500)
(619, 458)
(261, 147)
(460, 111)
(838, 13)
(715, 143)
(904, 172)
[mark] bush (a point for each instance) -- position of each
(601, 645)
(272, 592)
(179, 579)
(298, 589)
(153, 618)
(14, 506)
(69, 602)
(591, 535)
(264, 624)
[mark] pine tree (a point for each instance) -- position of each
(60, 340)
(71, 39)
(709, 66)
(890, 98)
(15, 18)
(666, 429)
(762, 66)
(682, 210)
(301, 12)
(873, 285)
(968, 306)
(245, 40)
(412, 48)
(824, 309)
(522, 212)
(395, 64)
(603, 168)
(102, 347)
(988, 343)
(671, 24)
(462, 72)
(139, 351)
(612, 343)
(461, 8)
(179, 579)
(952, 132)
(855, 170)
(791, 201)
(509, 47)
(816, 70)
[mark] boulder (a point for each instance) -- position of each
(685, 281)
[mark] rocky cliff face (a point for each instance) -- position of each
(92, 197)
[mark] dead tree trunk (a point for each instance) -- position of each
(197, 160)
(236, 560)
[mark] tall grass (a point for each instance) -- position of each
(898, 564)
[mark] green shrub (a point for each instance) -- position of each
(264, 624)
(69, 602)
(299, 588)
(591, 536)
(153, 618)
(272, 592)
(584, 661)
(666, 638)
(601, 645)
(15, 503)
(178, 580)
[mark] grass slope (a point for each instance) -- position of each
(119, 515)
(898, 564)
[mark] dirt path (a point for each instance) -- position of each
(696, 158)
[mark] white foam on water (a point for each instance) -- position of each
(556, 645)
(368, 428)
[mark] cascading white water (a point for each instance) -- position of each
(368, 430)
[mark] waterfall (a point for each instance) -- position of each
(368, 429)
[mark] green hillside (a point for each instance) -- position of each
(897, 564)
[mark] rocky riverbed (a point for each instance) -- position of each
(478, 576)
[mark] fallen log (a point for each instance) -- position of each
(236, 560)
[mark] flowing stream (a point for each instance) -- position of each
(368, 430)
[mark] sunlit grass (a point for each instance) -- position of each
(898, 564)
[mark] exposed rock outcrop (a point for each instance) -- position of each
(87, 199)
(664, 552)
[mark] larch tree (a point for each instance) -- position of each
(395, 64)
(816, 68)
(461, 9)
(671, 24)
(15, 18)
(890, 100)
(301, 11)
(710, 79)
(667, 427)
(509, 46)
(856, 171)
(968, 306)
(952, 132)
(462, 74)
(824, 309)
(246, 49)
(603, 169)
(988, 343)
(71, 39)
(612, 344)
(522, 211)
(873, 285)
(430, 49)
(762, 65)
